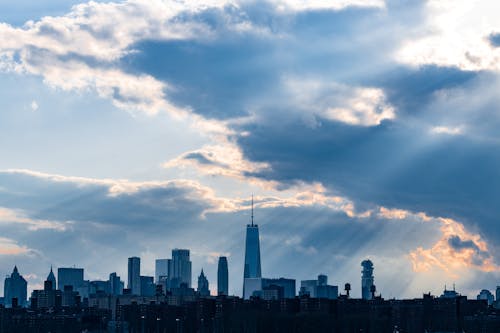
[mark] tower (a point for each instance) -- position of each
(15, 287)
(203, 285)
(180, 268)
(134, 275)
(222, 277)
(52, 279)
(252, 269)
(367, 279)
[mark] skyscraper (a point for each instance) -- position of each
(222, 277)
(134, 275)
(15, 286)
(161, 269)
(203, 289)
(180, 268)
(252, 268)
(68, 276)
(366, 279)
(147, 286)
(52, 279)
(115, 284)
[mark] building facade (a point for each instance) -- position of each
(134, 275)
(252, 268)
(15, 287)
(367, 279)
(67, 276)
(180, 268)
(203, 288)
(222, 277)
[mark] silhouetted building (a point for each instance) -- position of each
(222, 277)
(15, 290)
(49, 297)
(367, 279)
(161, 269)
(98, 286)
(52, 279)
(147, 286)
(134, 275)
(115, 284)
(67, 276)
(287, 286)
(252, 268)
(497, 296)
(486, 295)
(180, 268)
(449, 293)
(203, 288)
(318, 288)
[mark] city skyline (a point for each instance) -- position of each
(178, 271)
(363, 129)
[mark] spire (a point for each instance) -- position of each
(15, 269)
(252, 210)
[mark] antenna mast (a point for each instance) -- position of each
(252, 210)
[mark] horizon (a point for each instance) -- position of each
(358, 129)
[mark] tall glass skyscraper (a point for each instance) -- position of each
(366, 279)
(252, 268)
(222, 277)
(134, 275)
(180, 268)
(69, 276)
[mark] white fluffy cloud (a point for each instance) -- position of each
(359, 106)
(456, 33)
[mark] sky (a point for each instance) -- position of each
(365, 129)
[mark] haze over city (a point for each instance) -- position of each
(363, 130)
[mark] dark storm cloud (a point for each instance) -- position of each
(398, 163)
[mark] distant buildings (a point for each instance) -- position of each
(49, 297)
(222, 277)
(486, 295)
(319, 288)
(252, 268)
(147, 286)
(367, 286)
(180, 268)
(285, 288)
(161, 269)
(52, 279)
(15, 290)
(115, 284)
(134, 275)
(203, 288)
(67, 276)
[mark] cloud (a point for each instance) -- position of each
(447, 130)
(457, 250)
(139, 218)
(455, 33)
(11, 216)
(297, 5)
(34, 106)
(10, 247)
(494, 39)
(361, 106)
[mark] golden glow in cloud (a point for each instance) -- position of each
(10, 247)
(456, 250)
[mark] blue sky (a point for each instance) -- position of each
(365, 129)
